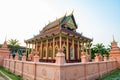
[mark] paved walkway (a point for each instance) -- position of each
(1, 78)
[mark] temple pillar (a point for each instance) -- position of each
(89, 50)
(82, 45)
(60, 40)
(53, 47)
(26, 47)
(86, 46)
(32, 46)
(47, 49)
(36, 48)
(29, 48)
(67, 50)
(78, 50)
(73, 44)
(41, 54)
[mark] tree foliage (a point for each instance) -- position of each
(13, 45)
(99, 48)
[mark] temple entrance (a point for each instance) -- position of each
(50, 52)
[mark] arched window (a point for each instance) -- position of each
(50, 52)
(56, 50)
(44, 52)
(64, 51)
(71, 52)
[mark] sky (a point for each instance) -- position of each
(97, 19)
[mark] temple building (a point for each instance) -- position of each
(60, 33)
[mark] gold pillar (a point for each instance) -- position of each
(78, 49)
(47, 49)
(53, 47)
(82, 45)
(60, 41)
(32, 46)
(67, 50)
(29, 45)
(29, 48)
(86, 46)
(41, 54)
(26, 47)
(89, 50)
(73, 48)
(36, 46)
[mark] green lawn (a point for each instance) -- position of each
(115, 75)
(10, 75)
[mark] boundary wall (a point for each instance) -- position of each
(53, 71)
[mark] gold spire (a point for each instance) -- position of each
(5, 38)
(56, 18)
(49, 21)
(65, 13)
(72, 11)
(113, 39)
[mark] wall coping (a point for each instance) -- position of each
(66, 64)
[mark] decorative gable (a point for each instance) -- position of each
(70, 23)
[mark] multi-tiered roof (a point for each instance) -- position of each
(65, 24)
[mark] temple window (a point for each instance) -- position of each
(50, 52)
(44, 53)
(56, 50)
(71, 53)
(64, 51)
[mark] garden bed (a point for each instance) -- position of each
(8, 75)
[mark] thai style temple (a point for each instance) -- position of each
(60, 33)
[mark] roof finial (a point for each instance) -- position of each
(6, 38)
(49, 21)
(56, 18)
(65, 13)
(113, 38)
(72, 11)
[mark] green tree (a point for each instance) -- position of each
(13, 45)
(99, 48)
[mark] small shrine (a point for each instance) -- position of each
(115, 52)
(4, 52)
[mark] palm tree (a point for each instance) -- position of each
(13, 45)
(13, 42)
(98, 48)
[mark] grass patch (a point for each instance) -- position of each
(10, 75)
(115, 75)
